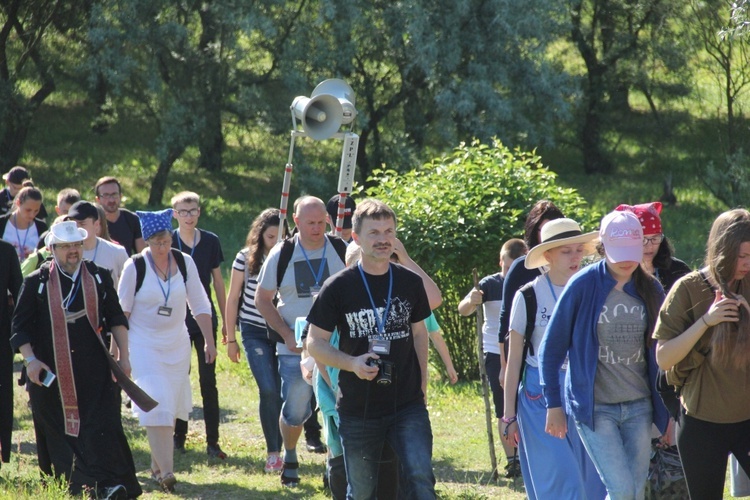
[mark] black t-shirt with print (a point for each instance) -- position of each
(343, 303)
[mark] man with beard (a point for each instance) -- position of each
(124, 226)
(61, 310)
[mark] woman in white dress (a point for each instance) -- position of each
(159, 342)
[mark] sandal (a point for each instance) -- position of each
(290, 482)
(155, 475)
(167, 482)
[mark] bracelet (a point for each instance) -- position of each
(231, 341)
(28, 360)
(705, 322)
(508, 421)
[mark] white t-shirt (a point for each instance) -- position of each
(545, 304)
(108, 255)
(23, 240)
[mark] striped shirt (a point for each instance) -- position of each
(248, 312)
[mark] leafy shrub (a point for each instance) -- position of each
(455, 212)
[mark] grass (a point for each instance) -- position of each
(457, 418)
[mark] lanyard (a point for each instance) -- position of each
(380, 321)
(96, 250)
(21, 246)
(67, 301)
(319, 275)
(551, 289)
(192, 249)
(169, 278)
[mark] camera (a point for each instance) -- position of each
(385, 375)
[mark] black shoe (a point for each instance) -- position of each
(179, 444)
(513, 468)
(214, 451)
(118, 492)
(315, 445)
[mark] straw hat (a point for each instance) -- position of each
(558, 233)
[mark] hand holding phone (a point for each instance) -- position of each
(46, 377)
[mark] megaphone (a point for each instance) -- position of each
(321, 115)
(343, 92)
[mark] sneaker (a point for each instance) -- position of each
(274, 463)
(214, 451)
(179, 444)
(513, 468)
(315, 445)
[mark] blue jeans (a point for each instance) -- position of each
(295, 392)
(620, 446)
(409, 433)
(261, 356)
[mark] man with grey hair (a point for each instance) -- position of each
(75, 404)
(378, 308)
(311, 257)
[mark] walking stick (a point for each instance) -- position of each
(485, 384)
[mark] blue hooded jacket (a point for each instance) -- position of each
(572, 331)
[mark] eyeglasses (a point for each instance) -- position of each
(108, 196)
(192, 212)
(654, 240)
(160, 244)
(68, 246)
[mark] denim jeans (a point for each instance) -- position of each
(295, 392)
(261, 356)
(620, 446)
(409, 432)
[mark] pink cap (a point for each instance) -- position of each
(622, 236)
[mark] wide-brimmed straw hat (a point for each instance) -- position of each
(557, 233)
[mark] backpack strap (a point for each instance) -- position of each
(140, 267)
(529, 297)
(44, 277)
(285, 256)
(339, 245)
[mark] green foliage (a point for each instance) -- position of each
(730, 181)
(456, 211)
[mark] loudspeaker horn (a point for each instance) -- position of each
(343, 92)
(321, 116)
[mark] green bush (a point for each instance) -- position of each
(454, 214)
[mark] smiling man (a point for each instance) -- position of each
(379, 309)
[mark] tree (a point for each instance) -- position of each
(434, 73)
(27, 66)
(613, 38)
(455, 212)
(188, 64)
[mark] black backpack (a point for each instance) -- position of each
(285, 256)
(140, 267)
(529, 296)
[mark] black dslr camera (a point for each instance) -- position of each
(385, 375)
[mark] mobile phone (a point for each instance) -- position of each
(46, 377)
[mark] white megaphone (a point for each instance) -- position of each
(343, 92)
(321, 116)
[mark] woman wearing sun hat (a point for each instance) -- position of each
(602, 323)
(159, 341)
(550, 467)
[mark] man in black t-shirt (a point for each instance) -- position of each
(378, 309)
(205, 249)
(124, 226)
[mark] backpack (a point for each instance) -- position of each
(285, 256)
(44, 277)
(140, 267)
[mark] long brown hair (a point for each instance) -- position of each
(254, 244)
(730, 343)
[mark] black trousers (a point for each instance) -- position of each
(6, 397)
(209, 393)
(704, 449)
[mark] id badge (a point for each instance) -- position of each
(380, 347)
(164, 311)
(314, 291)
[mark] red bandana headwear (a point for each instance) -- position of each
(648, 214)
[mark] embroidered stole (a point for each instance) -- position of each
(61, 343)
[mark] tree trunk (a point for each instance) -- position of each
(594, 158)
(212, 138)
(16, 122)
(159, 184)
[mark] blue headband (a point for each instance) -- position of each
(155, 222)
